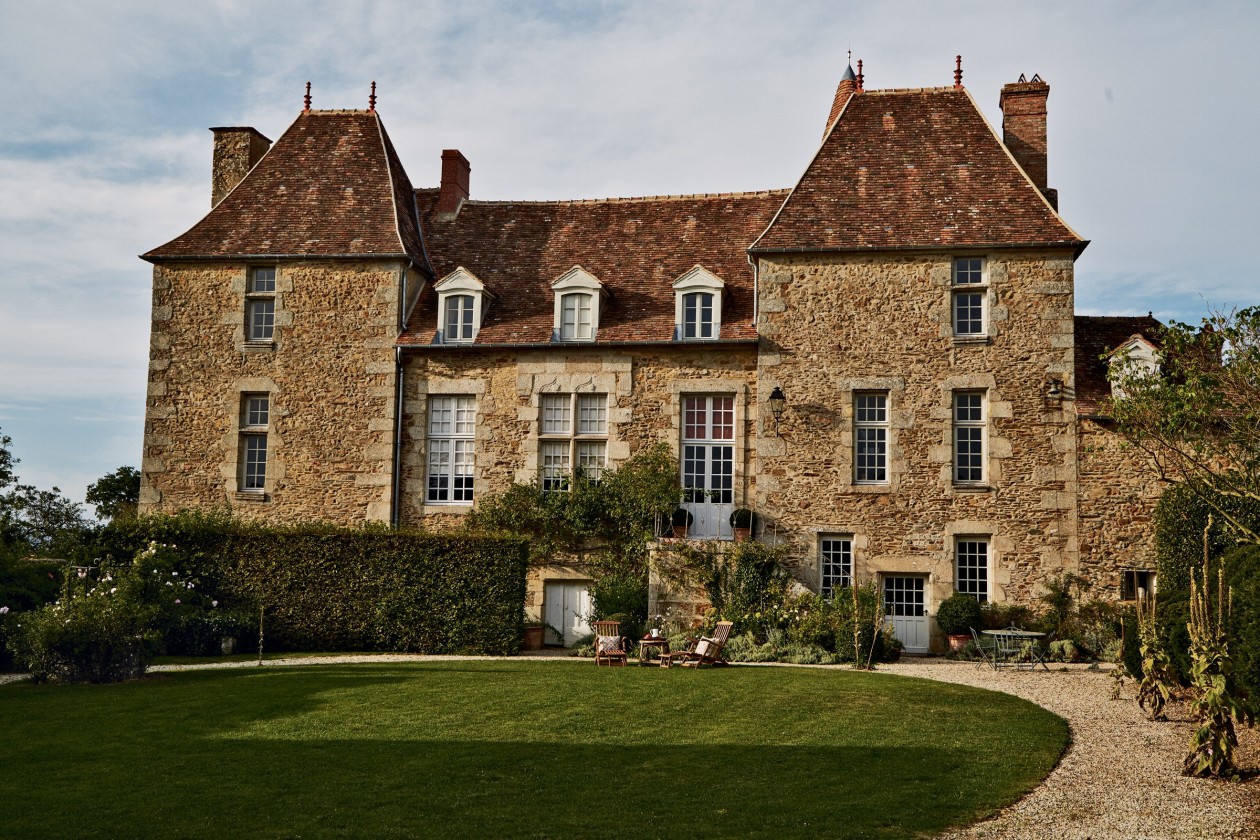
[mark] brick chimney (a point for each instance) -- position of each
(454, 191)
(1023, 105)
(236, 150)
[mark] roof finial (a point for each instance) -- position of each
(372, 99)
(860, 77)
(306, 100)
(958, 73)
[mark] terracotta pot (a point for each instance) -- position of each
(742, 534)
(958, 641)
(680, 532)
(533, 638)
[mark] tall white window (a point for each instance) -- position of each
(452, 423)
(971, 567)
(260, 304)
(835, 562)
(575, 317)
(254, 424)
(969, 428)
(708, 449)
(572, 431)
(870, 438)
(967, 298)
(697, 316)
(459, 319)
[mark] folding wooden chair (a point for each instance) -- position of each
(707, 650)
(610, 645)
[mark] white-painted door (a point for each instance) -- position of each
(708, 465)
(905, 610)
(567, 608)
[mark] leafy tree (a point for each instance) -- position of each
(116, 494)
(1199, 417)
(33, 521)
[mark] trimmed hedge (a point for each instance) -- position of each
(325, 588)
(1180, 517)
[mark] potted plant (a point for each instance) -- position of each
(535, 631)
(681, 520)
(742, 522)
(956, 616)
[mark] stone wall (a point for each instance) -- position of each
(1119, 488)
(644, 394)
(330, 373)
(833, 325)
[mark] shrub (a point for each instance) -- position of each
(1242, 570)
(1180, 519)
(621, 596)
(958, 613)
(100, 630)
(999, 616)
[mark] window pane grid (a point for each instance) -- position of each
(262, 281)
(255, 462)
(836, 564)
(257, 410)
(557, 458)
(451, 450)
(903, 596)
(968, 437)
(575, 316)
(870, 440)
(459, 318)
(972, 575)
(698, 315)
(969, 271)
(708, 466)
(262, 319)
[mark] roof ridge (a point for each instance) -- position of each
(886, 91)
(621, 199)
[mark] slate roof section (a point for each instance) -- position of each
(917, 168)
(331, 186)
(636, 247)
(1096, 336)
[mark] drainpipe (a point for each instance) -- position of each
(395, 513)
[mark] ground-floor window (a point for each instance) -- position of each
(450, 453)
(835, 561)
(971, 573)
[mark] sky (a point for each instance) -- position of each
(105, 153)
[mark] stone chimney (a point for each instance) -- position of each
(1023, 105)
(236, 150)
(454, 191)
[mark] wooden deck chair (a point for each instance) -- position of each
(610, 646)
(987, 648)
(707, 650)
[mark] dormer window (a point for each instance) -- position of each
(461, 306)
(578, 298)
(697, 306)
(459, 318)
(1132, 361)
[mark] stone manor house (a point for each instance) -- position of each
(882, 361)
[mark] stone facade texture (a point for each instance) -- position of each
(330, 373)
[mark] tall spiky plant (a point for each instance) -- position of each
(1219, 700)
(1154, 689)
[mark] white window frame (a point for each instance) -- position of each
(1137, 358)
(969, 279)
(255, 426)
(871, 424)
(260, 304)
(458, 284)
(698, 280)
(576, 281)
(572, 430)
(704, 446)
(973, 567)
(450, 461)
(973, 432)
(835, 563)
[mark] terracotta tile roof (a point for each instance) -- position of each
(331, 185)
(915, 168)
(636, 247)
(1096, 336)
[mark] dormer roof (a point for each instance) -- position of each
(917, 168)
(635, 247)
(1098, 337)
(331, 186)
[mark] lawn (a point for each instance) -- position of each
(513, 749)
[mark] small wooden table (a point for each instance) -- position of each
(662, 647)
